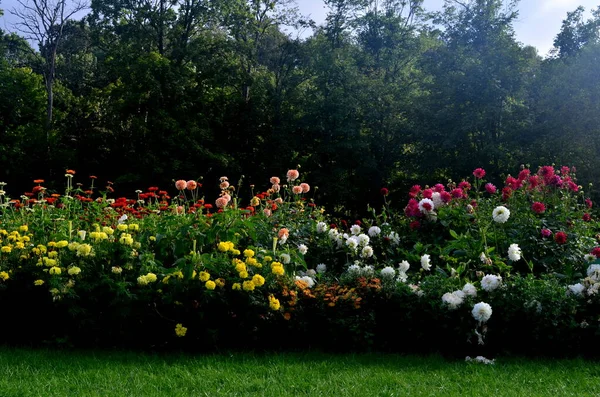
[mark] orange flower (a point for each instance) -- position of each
(287, 316)
(71, 172)
(38, 181)
(93, 177)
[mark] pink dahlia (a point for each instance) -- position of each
(305, 187)
(546, 232)
(538, 208)
(490, 188)
(297, 189)
(292, 175)
(560, 237)
(479, 173)
(275, 180)
(191, 185)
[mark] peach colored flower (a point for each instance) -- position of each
(283, 232)
(223, 179)
(226, 197)
(274, 180)
(305, 187)
(191, 185)
(267, 212)
(224, 185)
(292, 175)
(180, 209)
(279, 200)
(221, 202)
(297, 189)
(180, 184)
(275, 188)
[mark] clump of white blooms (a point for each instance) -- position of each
(388, 272)
(285, 258)
(311, 272)
(593, 271)
(490, 282)
(363, 239)
(403, 266)
(500, 214)
(514, 252)
(355, 229)
(366, 252)
(352, 243)
(426, 262)
(321, 268)
(470, 290)
(367, 271)
(354, 269)
(453, 299)
(322, 227)
(436, 197)
(303, 249)
(307, 279)
(374, 231)
(394, 238)
(576, 289)
(482, 312)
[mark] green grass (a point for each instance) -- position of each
(26, 372)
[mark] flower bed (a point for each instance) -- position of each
(464, 267)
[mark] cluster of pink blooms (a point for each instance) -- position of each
(436, 196)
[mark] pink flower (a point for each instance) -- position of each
(479, 173)
(384, 191)
(560, 237)
(275, 188)
(524, 174)
(457, 193)
(589, 203)
(427, 193)
(546, 232)
(221, 202)
(586, 217)
(446, 197)
(538, 208)
(297, 189)
(564, 170)
(439, 188)
(412, 208)
(513, 183)
(596, 252)
(414, 191)
(224, 185)
(490, 188)
(180, 184)
(283, 232)
(267, 212)
(180, 209)
(274, 180)
(191, 185)
(506, 193)
(305, 187)
(572, 186)
(464, 185)
(292, 175)
(226, 197)
(415, 225)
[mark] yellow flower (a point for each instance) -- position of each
(134, 227)
(23, 228)
(179, 274)
(165, 280)
(62, 244)
(49, 262)
(240, 267)
(108, 230)
(117, 269)
(52, 254)
(258, 280)
(152, 238)
(248, 286)
(73, 246)
(268, 258)
(52, 244)
(220, 282)
(142, 280)
(7, 249)
(244, 274)
(55, 270)
(204, 276)
(180, 330)
(122, 227)
(274, 303)
(251, 261)
(38, 282)
(84, 250)
(4, 276)
(277, 269)
(151, 277)
(74, 271)
(126, 239)
(225, 246)
(248, 253)
(19, 245)
(236, 286)
(235, 252)
(255, 201)
(210, 285)
(25, 239)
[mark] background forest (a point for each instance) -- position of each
(383, 94)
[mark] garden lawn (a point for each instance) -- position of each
(115, 373)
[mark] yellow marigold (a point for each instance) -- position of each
(52, 244)
(38, 282)
(122, 227)
(225, 246)
(240, 267)
(52, 254)
(84, 250)
(3, 232)
(126, 239)
(117, 269)
(165, 279)
(25, 239)
(268, 258)
(180, 330)
(151, 277)
(62, 244)
(55, 270)
(23, 228)
(274, 303)
(36, 251)
(210, 285)
(277, 269)
(73, 246)
(49, 262)
(236, 286)
(220, 282)
(73, 271)
(4, 276)
(251, 261)
(19, 245)
(204, 276)
(24, 257)
(248, 286)
(142, 280)
(152, 238)
(108, 230)
(248, 253)
(243, 274)
(134, 227)
(258, 280)
(235, 252)
(7, 249)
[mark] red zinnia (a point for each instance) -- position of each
(538, 208)
(560, 237)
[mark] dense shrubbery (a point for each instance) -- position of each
(462, 267)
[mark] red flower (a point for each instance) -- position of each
(415, 225)
(589, 203)
(384, 191)
(414, 191)
(524, 174)
(457, 193)
(586, 217)
(479, 173)
(464, 185)
(439, 188)
(446, 197)
(506, 193)
(70, 172)
(490, 188)
(538, 208)
(153, 189)
(38, 181)
(560, 237)
(596, 252)
(427, 193)
(93, 177)
(546, 232)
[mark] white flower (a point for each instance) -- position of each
(352, 243)
(285, 258)
(482, 312)
(483, 258)
(426, 205)
(459, 293)
(500, 214)
(402, 277)
(308, 280)
(514, 252)
(355, 229)
(490, 282)
(452, 299)
(354, 269)
(403, 266)
(283, 239)
(122, 219)
(363, 239)
(593, 270)
(368, 270)
(589, 257)
(388, 272)
(436, 197)
(321, 268)
(480, 359)
(470, 290)
(426, 262)
(367, 252)
(311, 272)
(374, 231)
(333, 234)
(303, 249)
(394, 238)
(576, 289)
(322, 227)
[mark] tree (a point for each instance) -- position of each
(576, 33)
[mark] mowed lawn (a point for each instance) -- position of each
(32, 372)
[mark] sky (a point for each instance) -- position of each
(538, 23)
